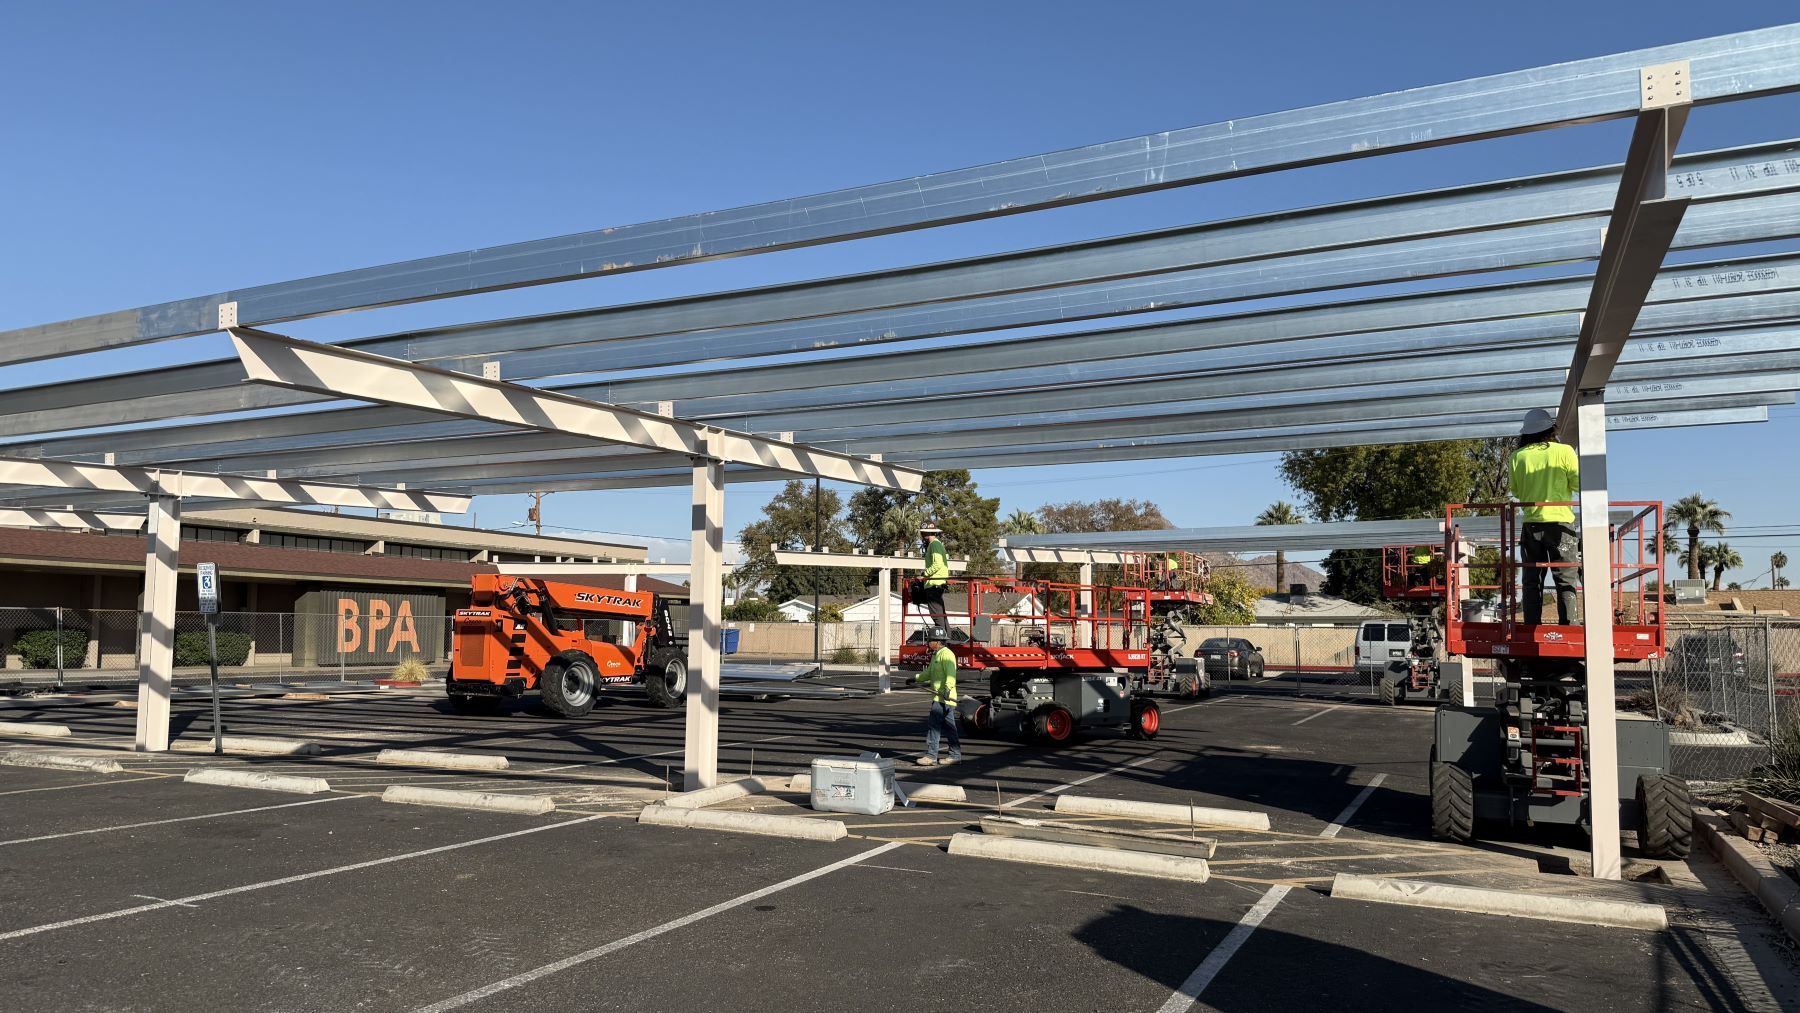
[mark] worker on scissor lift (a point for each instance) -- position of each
(1418, 571)
(1544, 470)
(929, 590)
(1171, 573)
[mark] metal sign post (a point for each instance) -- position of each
(208, 574)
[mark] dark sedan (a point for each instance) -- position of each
(1230, 658)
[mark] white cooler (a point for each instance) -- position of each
(863, 784)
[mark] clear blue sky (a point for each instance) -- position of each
(160, 151)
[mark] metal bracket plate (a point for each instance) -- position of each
(228, 315)
(1664, 85)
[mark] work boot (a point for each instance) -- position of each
(946, 763)
(925, 761)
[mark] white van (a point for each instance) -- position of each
(1379, 643)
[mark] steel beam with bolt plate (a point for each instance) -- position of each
(1643, 225)
(326, 369)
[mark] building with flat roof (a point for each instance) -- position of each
(278, 571)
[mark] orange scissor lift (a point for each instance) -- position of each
(1059, 657)
(1524, 760)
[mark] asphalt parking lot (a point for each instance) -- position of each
(137, 891)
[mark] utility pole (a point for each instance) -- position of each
(536, 513)
(818, 544)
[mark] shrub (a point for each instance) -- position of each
(410, 670)
(847, 655)
(37, 648)
(1780, 777)
(190, 648)
(754, 610)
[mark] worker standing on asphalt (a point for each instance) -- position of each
(1546, 471)
(939, 678)
(929, 591)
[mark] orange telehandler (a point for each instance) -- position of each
(565, 641)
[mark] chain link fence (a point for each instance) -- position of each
(1726, 684)
(80, 647)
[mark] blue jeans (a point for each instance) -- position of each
(942, 720)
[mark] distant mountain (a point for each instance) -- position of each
(1260, 570)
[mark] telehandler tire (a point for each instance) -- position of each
(568, 686)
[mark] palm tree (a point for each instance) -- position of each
(1280, 512)
(1022, 522)
(1719, 558)
(1777, 563)
(1694, 513)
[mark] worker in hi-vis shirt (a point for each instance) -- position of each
(1543, 470)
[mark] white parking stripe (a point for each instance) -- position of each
(1189, 992)
(283, 881)
(616, 945)
(1091, 777)
(1318, 714)
(178, 819)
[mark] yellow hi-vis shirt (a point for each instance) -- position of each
(1421, 555)
(937, 564)
(1546, 472)
(940, 676)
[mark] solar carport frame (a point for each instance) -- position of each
(1634, 346)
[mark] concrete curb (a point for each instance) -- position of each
(1162, 812)
(250, 779)
(703, 797)
(916, 790)
(1779, 894)
(247, 744)
(1580, 910)
(60, 761)
(523, 805)
(37, 729)
(1076, 856)
(432, 758)
(798, 827)
(1088, 835)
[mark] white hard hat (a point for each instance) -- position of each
(929, 528)
(1537, 421)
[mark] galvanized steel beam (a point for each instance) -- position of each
(1729, 67)
(1288, 254)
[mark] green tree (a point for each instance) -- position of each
(1021, 522)
(1354, 574)
(1777, 563)
(1695, 513)
(886, 521)
(1280, 512)
(1396, 482)
(1719, 558)
(1408, 480)
(1233, 600)
(754, 610)
(1099, 515)
(788, 521)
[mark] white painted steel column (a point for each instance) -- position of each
(1085, 631)
(1596, 613)
(700, 759)
(156, 624)
(884, 636)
